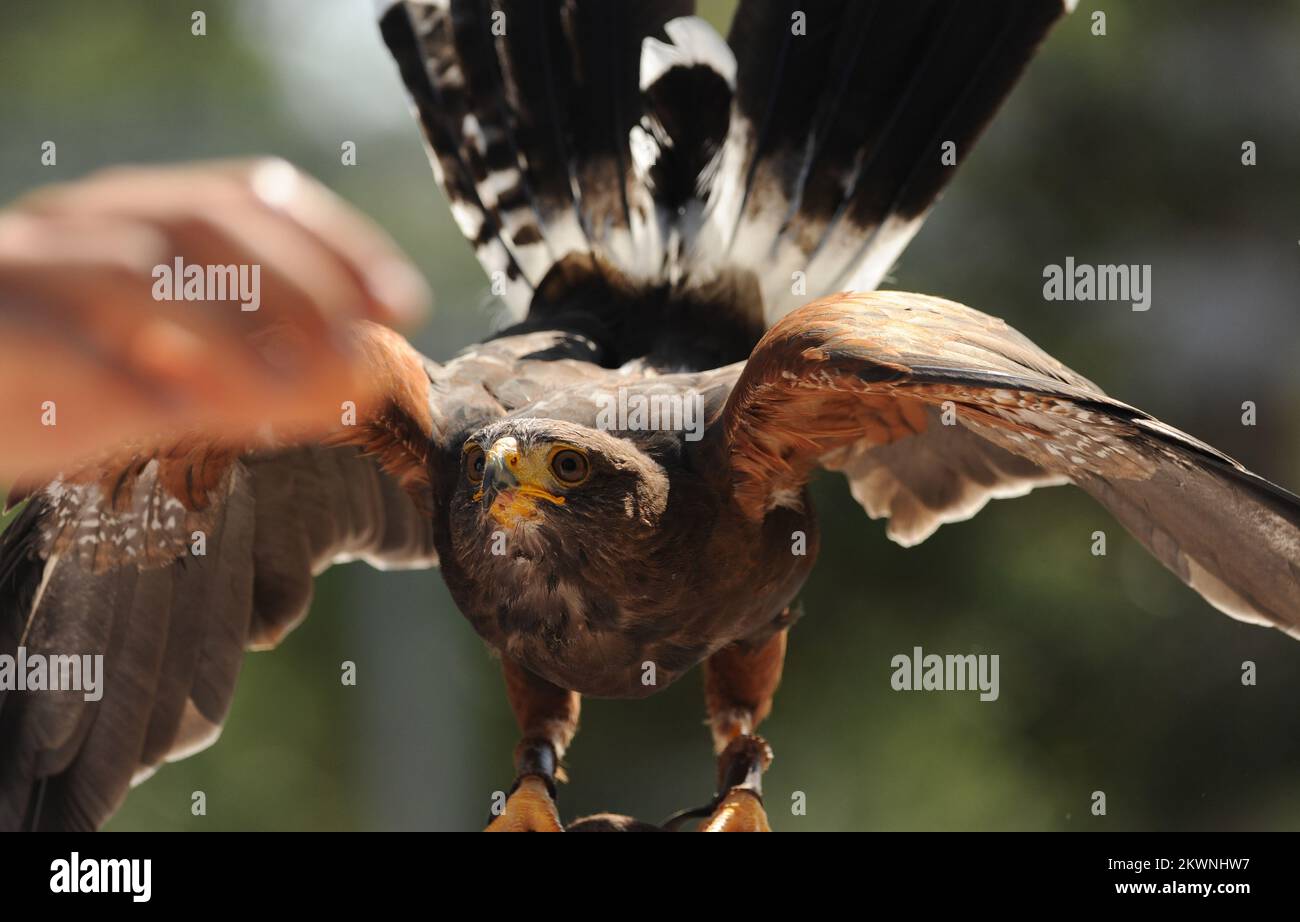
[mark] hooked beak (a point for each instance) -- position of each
(513, 482)
(496, 480)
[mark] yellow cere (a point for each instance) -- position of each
(532, 470)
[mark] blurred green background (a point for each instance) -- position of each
(1114, 677)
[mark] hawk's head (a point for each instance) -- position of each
(529, 487)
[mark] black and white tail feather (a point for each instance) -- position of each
(632, 139)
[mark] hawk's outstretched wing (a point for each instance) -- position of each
(865, 383)
(630, 140)
(169, 560)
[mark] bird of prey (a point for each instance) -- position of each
(679, 222)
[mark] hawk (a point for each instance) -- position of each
(679, 222)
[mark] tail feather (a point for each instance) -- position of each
(489, 125)
(421, 40)
(529, 110)
(797, 158)
(841, 145)
(687, 86)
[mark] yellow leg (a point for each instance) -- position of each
(548, 717)
(739, 682)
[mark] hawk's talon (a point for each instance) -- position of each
(530, 807)
(530, 802)
(741, 810)
(738, 805)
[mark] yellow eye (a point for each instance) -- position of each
(570, 467)
(475, 461)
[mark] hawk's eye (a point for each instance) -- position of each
(475, 461)
(570, 466)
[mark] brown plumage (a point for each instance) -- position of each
(600, 557)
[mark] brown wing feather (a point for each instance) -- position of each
(862, 383)
(104, 560)
(939, 475)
